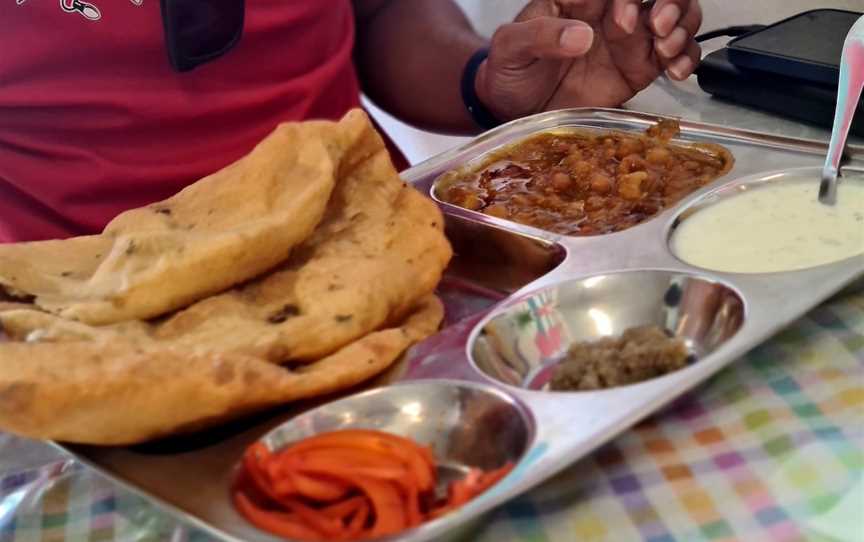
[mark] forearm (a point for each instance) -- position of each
(410, 57)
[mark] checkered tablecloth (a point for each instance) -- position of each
(771, 449)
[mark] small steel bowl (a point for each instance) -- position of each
(520, 343)
(466, 424)
(801, 175)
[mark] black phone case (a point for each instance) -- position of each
(785, 96)
(824, 33)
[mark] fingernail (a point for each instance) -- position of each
(666, 19)
(681, 67)
(671, 45)
(628, 19)
(576, 39)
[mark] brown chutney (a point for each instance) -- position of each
(586, 183)
(639, 354)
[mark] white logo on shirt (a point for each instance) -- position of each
(88, 11)
(85, 9)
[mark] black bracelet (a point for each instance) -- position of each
(482, 116)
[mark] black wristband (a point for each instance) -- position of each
(482, 116)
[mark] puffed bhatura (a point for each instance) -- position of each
(322, 300)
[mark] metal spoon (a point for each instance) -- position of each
(848, 94)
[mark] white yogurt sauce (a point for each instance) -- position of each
(776, 227)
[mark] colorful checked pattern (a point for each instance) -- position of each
(771, 449)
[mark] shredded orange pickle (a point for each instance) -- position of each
(348, 485)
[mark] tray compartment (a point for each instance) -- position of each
(466, 424)
(520, 343)
(707, 154)
(806, 178)
(489, 264)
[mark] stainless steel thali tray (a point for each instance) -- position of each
(475, 390)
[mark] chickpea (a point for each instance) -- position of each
(601, 183)
(658, 155)
(630, 163)
(549, 203)
(561, 181)
(630, 185)
(559, 145)
(497, 210)
(665, 129)
(472, 201)
(652, 184)
(629, 145)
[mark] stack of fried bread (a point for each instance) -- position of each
(302, 269)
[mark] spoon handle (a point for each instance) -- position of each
(848, 94)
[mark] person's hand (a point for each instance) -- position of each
(569, 53)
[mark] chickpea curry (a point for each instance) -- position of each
(582, 183)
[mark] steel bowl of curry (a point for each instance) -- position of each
(582, 182)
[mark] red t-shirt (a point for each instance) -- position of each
(93, 120)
